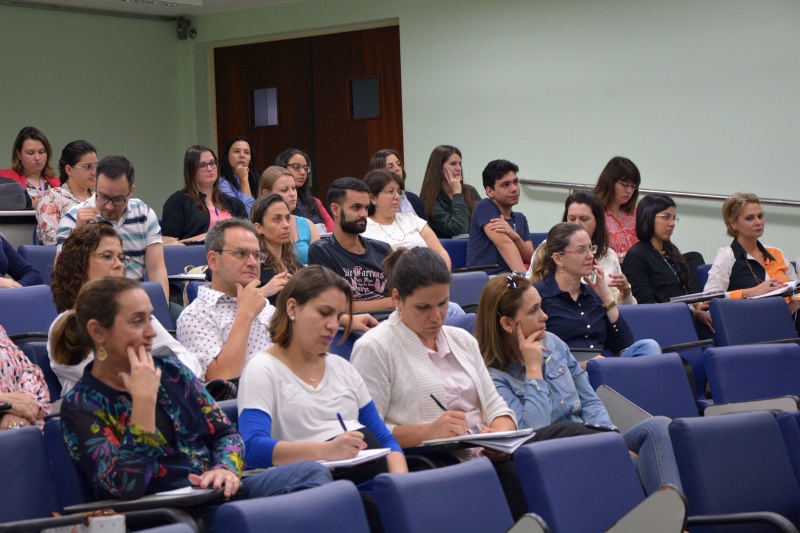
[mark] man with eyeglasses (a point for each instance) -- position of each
(227, 323)
(357, 259)
(135, 222)
(498, 235)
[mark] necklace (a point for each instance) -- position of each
(392, 225)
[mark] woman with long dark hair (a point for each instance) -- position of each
(189, 213)
(238, 176)
(654, 265)
(618, 189)
(299, 164)
(448, 200)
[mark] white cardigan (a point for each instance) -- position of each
(401, 377)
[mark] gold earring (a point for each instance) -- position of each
(101, 354)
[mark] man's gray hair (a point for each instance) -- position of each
(215, 238)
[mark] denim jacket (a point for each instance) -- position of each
(563, 395)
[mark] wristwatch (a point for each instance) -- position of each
(610, 306)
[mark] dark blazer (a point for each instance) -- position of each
(182, 219)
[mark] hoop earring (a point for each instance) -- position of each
(101, 354)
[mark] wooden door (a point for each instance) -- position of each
(313, 77)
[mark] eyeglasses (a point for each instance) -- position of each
(102, 199)
(242, 255)
(88, 167)
(513, 280)
(297, 167)
(668, 218)
(110, 257)
(392, 191)
(582, 250)
(209, 164)
(628, 185)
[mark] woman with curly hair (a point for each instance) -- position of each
(91, 252)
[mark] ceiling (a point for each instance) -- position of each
(184, 8)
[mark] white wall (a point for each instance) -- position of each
(703, 95)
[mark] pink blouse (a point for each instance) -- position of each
(621, 236)
(18, 374)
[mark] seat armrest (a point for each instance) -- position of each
(679, 347)
(666, 507)
(774, 519)
(530, 523)
(782, 403)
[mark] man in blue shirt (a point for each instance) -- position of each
(497, 235)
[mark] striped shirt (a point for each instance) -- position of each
(138, 229)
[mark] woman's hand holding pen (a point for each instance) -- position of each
(450, 424)
(344, 446)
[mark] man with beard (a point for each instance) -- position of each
(357, 259)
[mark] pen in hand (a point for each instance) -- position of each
(440, 404)
(341, 421)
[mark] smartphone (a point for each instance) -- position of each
(593, 276)
(5, 406)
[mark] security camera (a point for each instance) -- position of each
(185, 29)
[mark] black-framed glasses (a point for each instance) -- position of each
(110, 257)
(582, 250)
(88, 167)
(102, 199)
(242, 254)
(205, 165)
(297, 167)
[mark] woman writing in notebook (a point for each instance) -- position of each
(296, 401)
(539, 379)
(747, 268)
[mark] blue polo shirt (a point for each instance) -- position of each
(480, 248)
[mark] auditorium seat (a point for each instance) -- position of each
(656, 383)
(457, 250)
(753, 372)
(159, 302)
(737, 463)
(333, 507)
(176, 258)
(751, 321)
(672, 327)
(463, 498)
(42, 258)
(465, 322)
(588, 484)
(36, 352)
(27, 309)
(466, 287)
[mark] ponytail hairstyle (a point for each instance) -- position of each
(71, 154)
(97, 300)
(306, 285)
(542, 263)
(408, 270)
